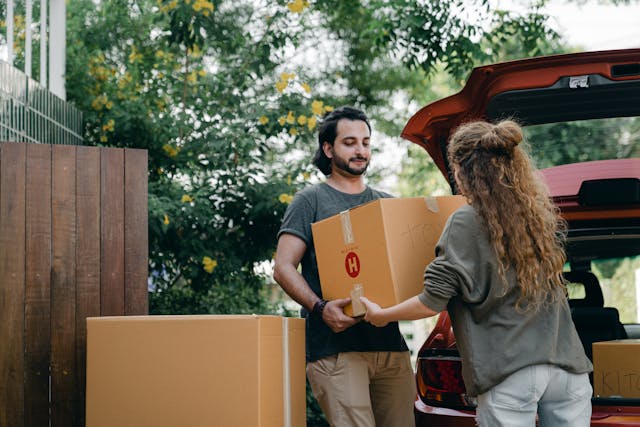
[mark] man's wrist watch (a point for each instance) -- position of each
(318, 307)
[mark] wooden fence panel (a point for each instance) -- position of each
(87, 255)
(112, 223)
(63, 287)
(136, 240)
(38, 284)
(73, 244)
(12, 263)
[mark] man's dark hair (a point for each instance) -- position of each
(327, 133)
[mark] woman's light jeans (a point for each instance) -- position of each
(558, 397)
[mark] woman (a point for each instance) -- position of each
(498, 271)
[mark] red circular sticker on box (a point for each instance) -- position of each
(352, 264)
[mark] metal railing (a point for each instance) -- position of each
(31, 113)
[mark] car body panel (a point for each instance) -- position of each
(564, 183)
(430, 126)
(443, 417)
(577, 81)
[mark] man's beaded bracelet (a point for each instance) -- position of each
(318, 307)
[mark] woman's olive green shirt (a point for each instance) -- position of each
(493, 337)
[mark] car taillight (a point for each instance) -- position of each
(439, 380)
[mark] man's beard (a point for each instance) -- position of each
(344, 165)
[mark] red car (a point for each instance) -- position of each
(565, 98)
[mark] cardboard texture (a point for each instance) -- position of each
(383, 246)
(223, 371)
(616, 368)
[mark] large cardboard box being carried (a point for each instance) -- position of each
(224, 371)
(616, 368)
(380, 249)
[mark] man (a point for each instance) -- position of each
(361, 375)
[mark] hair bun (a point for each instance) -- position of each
(502, 138)
(509, 132)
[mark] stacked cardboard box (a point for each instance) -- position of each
(224, 371)
(616, 368)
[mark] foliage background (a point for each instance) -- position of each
(226, 95)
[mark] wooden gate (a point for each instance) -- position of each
(73, 244)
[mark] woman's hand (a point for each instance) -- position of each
(374, 314)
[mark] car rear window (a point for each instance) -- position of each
(557, 144)
(620, 282)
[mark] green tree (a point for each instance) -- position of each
(225, 96)
(562, 143)
(510, 36)
(198, 84)
(618, 280)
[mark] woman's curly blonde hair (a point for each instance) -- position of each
(498, 178)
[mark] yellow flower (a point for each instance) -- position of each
(125, 80)
(293, 131)
(109, 126)
(297, 6)
(316, 107)
(285, 77)
(209, 264)
(306, 87)
(99, 102)
(134, 55)
(311, 123)
(101, 73)
(204, 5)
(291, 118)
(285, 198)
(281, 86)
(282, 121)
(194, 51)
(170, 150)
(263, 120)
(202, 73)
(169, 7)
(328, 108)
(306, 176)
(103, 138)
(186, 198)
(166, 219)
(192, 77)
(302, 120)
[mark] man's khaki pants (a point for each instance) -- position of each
(365, 389)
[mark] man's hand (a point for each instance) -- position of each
(333, 315)
(374, 313)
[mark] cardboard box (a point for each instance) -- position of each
(616, 368)
(380, 248)
(224, 371)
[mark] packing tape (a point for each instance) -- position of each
(286, 375)
(356, 305)
(347, 232)
(432, 204)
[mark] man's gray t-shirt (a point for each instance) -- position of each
(493, 337)
(310, 205)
